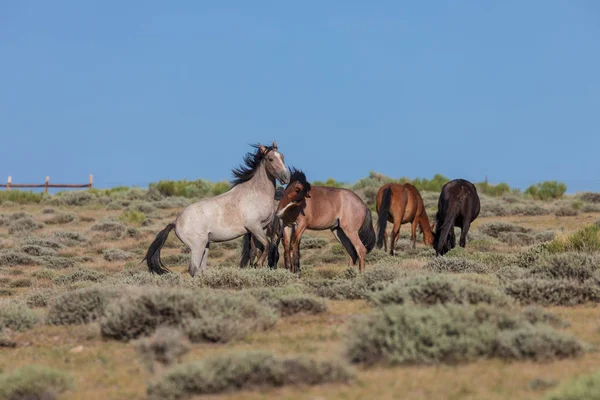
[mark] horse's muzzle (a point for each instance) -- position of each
(284, 177)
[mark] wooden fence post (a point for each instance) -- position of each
(8, 182)
(47, 182)
(91, 180)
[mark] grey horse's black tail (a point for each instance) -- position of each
(384, 212)
(153, 254)
(367, 233)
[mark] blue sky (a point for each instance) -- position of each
(138, 91)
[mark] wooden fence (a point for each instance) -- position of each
(45, 185)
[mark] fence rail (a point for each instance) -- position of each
(8, 185)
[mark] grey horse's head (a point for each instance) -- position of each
(274, 163)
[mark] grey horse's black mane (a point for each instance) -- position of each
(246, 171)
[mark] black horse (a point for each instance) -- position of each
(251, 247)
(458, 206)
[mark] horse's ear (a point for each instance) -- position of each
(262, 148)
(274, 145)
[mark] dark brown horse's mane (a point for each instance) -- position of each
(246, 171)
(298, 176)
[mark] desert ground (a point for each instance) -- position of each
(512, 316)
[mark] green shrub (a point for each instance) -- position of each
(330, 182)
(494, 229)
(166, 346)
(339, 289)
(80, 306)
(585, 387)
(529, 257)
(70, 238)
(39, 298)
(590, 197)
(33, 250)
(132, 217)
(44, 273)
(203, 315)
(546, 190)
(75, 198)
(451, 334)
(117, 255)
(289, 304)
(35, 241)
(183, 188)
(79, 275)
(109, 226)
(438, 289)
(236, 278)
(537, 315)
(20, 197)
(11, 258)
(20, 283)
(23, 226)
(16, 316)
(55, 262)
(551, 292)
(33, 382)
(313, 242)
(577, 266)
(172, 202)
(585, 239)
(566, 212)
(242, 371)
(456, 265)
(60, 219)
(493, 190)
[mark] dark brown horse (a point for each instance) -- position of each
(319, 208)
(458, 206)
(252, 249)
(401, 204)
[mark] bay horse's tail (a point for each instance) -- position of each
(246, 250)
(367, 233)
(383, 213)
(153, 254)
(442, 229)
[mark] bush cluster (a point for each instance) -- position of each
(242, 371)
(204, 316)
(34, 382)
(430, 290)
(451, 334)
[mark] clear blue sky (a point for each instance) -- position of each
(138, 91)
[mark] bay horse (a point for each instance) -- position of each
(253, 249)
(318, 208)
(401, 204)
(246, 207)
(458, 206)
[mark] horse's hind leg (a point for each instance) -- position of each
(361, 250)
(199, 256)
(345, 242)
(463, 233)
(451, 239)
(413, 233)
(385, 241)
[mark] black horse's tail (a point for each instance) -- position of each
(367, 233)
(153, 254)
(246, 248)
(442, 228)
(383, 213)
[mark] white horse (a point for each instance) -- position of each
(247, 207)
